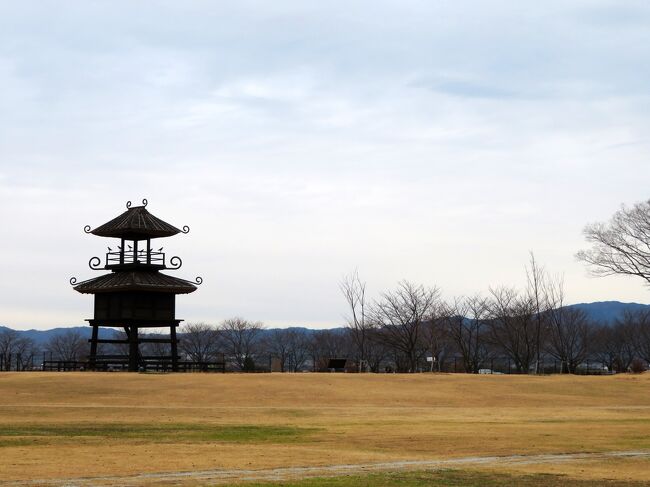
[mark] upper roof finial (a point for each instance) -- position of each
(144, 203)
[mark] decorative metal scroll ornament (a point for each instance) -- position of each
(186, 229)
(198, 281)
(95, 263)
(144, 203)
(175, 263)
(87, 228)
(73, 281)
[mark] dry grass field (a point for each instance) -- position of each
(72, 425)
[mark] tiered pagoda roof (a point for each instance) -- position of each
(136, 223)
(135, 280)
(135, 270)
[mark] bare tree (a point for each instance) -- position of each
(401, 315)
(643, 335)
(298, 349)
(568, 328)
(360, 329)
(625, 339)
(277, 344)
(376, 351)
(466, 321)
(326, 344)
(615, 344)
(241, 341)
(13, 345)
(69, 346)
(199, 341)
(291, 346)
(116, 348)
(537, 282)
(602, 348)
(513, 326)
(622, 245)
(156, 349)
(435, 336)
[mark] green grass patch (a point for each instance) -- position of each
(7, 442)
(448, 478)
(154, 432)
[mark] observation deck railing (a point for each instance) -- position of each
(132, 257)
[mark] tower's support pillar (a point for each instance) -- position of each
(133, 349)
(93, 348)
(174, 343)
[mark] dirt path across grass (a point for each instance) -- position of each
(218, 476)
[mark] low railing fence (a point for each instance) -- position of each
(133, 257)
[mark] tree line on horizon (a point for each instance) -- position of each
(531, 330)
(411, 328)
(408, 329)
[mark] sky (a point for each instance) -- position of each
(434, 141)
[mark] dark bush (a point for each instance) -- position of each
(637, 366)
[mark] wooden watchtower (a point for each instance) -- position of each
(135, 293)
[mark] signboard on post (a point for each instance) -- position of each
(431, 360)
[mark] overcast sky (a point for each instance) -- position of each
(432, 141)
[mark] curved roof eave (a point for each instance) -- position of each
(150, 281)
(136, 223)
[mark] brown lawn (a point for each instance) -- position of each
(64, 425)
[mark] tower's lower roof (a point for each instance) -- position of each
(137, 280)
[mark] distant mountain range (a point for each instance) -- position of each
(608, 311)
(600, 312)
(41, 337)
